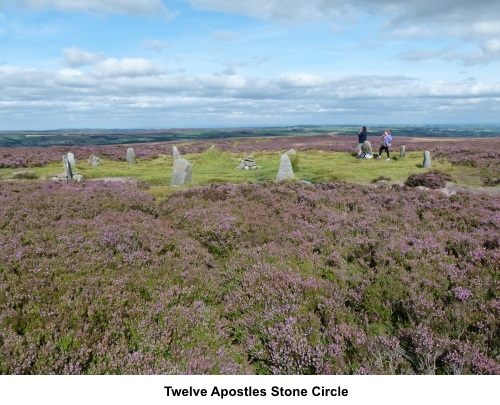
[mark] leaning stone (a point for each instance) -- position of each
(402, 151)
(130, 156)
(427, 159)
(285, 171)
(71, 159)
(367, 148)
(175, 153)
(181, 173)
(94, 161)
(241, 166)
(67, 168)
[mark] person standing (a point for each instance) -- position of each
(386, 144)
(362, 137)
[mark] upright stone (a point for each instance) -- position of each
(402, 151)
(94, 161)
(175, 153)
(367, 148)
(285, 171)
(130, 156)
(67, 168)
(181, 173)
(427, 159)
(71, 159)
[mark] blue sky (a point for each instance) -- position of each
(197, 63)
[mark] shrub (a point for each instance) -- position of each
(25, 174)
(294, 159)
(433, 179)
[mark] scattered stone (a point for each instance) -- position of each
(130, 156)
(285, 171)
(67, 168)
(181, 173)
(62, 177)
(427, 159)
(248, 163)
(402, 151)
(94, 161)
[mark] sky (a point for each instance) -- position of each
(239, 63)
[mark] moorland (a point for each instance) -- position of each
(347, 271)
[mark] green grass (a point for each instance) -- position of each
(215, 166)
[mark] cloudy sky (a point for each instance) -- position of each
(196, 63)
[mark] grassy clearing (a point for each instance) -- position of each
(215, 166)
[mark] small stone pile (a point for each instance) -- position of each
(248, 163)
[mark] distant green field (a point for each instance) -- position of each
(118, 136)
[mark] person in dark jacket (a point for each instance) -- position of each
(362, 137)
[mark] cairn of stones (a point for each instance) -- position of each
(94, 161)
(181, 173)
(402, 151)
(130, 156)
(285, 171)
(427, 159)
(248, 163)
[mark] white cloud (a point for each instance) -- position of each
(133, 7)
(155, 44)
(404, 11)
(130, 67)
(76, 56)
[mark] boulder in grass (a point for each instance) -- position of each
(94, 160)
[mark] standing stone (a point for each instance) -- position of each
(181, 173)
(67, 168)
(427, 159)
(367, 148)
(402, 151)
(175, 153)
(285, 171)
(94, 161)
(71, 159)
(130, 156)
